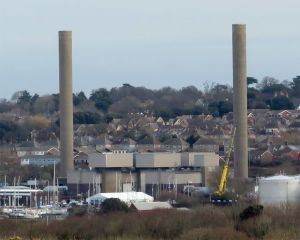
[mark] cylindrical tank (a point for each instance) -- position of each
(279, 190)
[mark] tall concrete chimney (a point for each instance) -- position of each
(240, 101)
(66, 102)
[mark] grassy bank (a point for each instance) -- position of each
(205, 222)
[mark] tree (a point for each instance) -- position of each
(11, 132)
(261, 105)
(79, 98)
(34, 98)
(129, 104)
(274, 88)
(190, 92)
(24, 98)
(267, 82)
(86, 118)
(127, 85)
(281, 102)
(213, 109)
(192, 139)
(113, 205)
(221, 88)
(5, 106)
(44, 105)
(165, 113)
(102, 99)
(295, 85)
(220, 92)
(251, 80)
(36, 122)
(225, 107)
(56, 101)
(218, 109)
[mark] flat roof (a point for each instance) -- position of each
(123, 196)
(18, 190)
(280, 178)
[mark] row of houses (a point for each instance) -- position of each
(160, 132)
(283, 152)
(265, 152)
(156, 135)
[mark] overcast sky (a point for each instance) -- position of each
(144, 43)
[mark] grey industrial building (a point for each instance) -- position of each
(147, 172)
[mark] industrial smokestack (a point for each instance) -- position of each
(66, 102)
(240, 101)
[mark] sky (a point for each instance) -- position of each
(153, 43)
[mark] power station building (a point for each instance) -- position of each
(151, 173)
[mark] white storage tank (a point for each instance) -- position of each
(279, 189)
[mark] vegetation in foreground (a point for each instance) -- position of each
(204, 222)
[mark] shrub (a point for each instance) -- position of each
(253, 223)
(255, 227)
(251, 211)
(213, 234)
(15, 238)
(113, 205)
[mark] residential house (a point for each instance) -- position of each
(272, 127)
(255, 154)
(123, 143)
(260, 141)
(251, 119)
(53, 151)
(103, 142)
(170, 122)
(117, 125)
(285, 114)
(208, 117)
(7, 150)
(217, 132)
(27, 151)
(160, 121)
(174, 144)
(81, 159)
(289, 151)
(88, 130)
(153, 127)
(183, 120)
(206, 145)
(281, 93)
(293, 155)
(262, 155)
(200, 102)
(171, 130)
(40, 160)
(295, 125)
(267, 156)
(148, 144)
